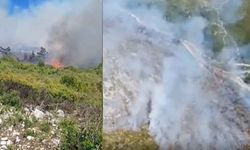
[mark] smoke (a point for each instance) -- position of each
(80, 36)
(233, 15)
(70, 30)
(157, 74)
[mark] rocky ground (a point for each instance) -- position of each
(30, 128)
(42, 107)
(33, 128)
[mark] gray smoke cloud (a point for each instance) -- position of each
(70, 30)
(157, 74)
(80, 36)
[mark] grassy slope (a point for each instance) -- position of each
(81, 86)
(129, 140)
(80, 91)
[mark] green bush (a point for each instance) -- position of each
(11, 147)
(29, 132)
(241, 29)
(15, 119)
(67, 88)
(69, 135)
(181, 9)
(247, 79)
(28, 123)
(215, 33)
(74, 138)
(11, 99)
(90, 139)
(99, 69)
(45, 127)
(70, 81)
(36, 84)
(41, 64)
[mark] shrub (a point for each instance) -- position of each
(69, 135)
(70, 81)
(41, 64)
(45, 127)
(11, 147)
(35, 84)
(73, 138)
(241, 29)
(29, 132)
(15, 119)
(90, 139)
(181, 9)
(247, 79)
(28, 123)
(11, 99)
(98, 69)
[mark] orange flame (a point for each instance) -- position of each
(57, 64)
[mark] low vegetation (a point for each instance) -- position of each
(44, 83)
(181, 9)
(129, 140)
(75, 138)
(77, 93)
(241, 29)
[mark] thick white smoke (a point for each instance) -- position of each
(69, 30)
(156, 73)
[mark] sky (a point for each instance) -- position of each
(17, 5)
(28, 24)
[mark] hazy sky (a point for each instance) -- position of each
(19, 5)
(52, 24)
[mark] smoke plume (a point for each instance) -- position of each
(70, 30)
(157, 73)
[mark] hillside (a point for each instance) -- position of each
(177, 68)
(241, 30)
(47, 108)
(129, 140)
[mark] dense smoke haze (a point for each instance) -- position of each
(164, 75)
(70, 30)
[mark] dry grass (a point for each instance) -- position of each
(128, 140)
